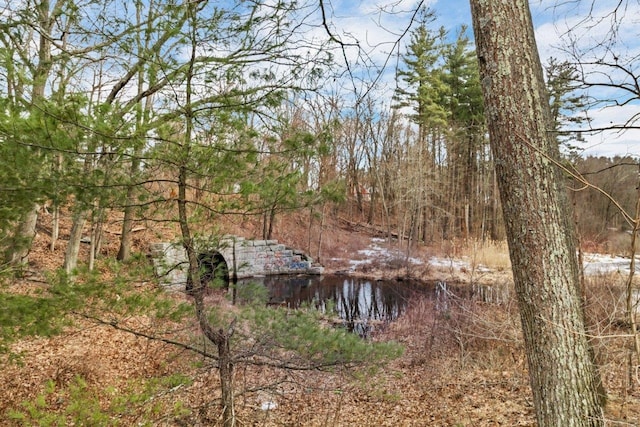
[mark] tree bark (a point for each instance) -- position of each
(55, 227)
(564, 378)
(219, 337)
(97, 224)
(75, 237)
(124, 251)
(55, 220)
(17, 254)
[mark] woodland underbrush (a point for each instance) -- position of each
(489, 254)
(458, 336)
(463, 364)
(111, 348)
(611, 334)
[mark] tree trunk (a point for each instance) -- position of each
(55, 220)
(320, 233)
(564, 378)
(75, 236)
(495, 207)
(268, 217)
(225, 367)
(124, 252)
(55, 227)
(219, 337)
(97, 224)
(17, 254)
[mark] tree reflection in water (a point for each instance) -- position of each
(361, 305)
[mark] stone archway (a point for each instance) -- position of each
(234, 258)
(214, 270)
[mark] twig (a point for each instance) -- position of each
(114, 324)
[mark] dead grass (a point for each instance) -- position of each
(490, 254)
(612, 342)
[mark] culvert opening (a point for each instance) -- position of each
(214, 271)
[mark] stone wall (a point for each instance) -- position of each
(248, 258)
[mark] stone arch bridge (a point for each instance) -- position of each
(231, 257)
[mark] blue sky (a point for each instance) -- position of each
(377, 25)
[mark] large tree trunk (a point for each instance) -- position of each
(564, 379)
(17, 253)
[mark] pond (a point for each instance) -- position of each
(360, 305)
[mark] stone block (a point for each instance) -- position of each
(158, 250)
(282, 254)
(302, 265)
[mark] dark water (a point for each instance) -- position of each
(360, 305)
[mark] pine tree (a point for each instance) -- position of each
(424, 92)
(466, 138)
(567, 104)
(423, 79)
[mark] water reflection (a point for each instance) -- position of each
(360, 305)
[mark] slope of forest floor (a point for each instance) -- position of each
(464, 367)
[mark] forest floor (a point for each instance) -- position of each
(465, 367)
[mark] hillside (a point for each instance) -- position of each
(113, 365)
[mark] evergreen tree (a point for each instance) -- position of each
(567, 104)
(243, 50)
(424, 89)
(466, 138)
(28, 77)
(24, 185)
(424, 92)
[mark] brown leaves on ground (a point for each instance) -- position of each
(100, 355)
(461, 367)
(450, 375)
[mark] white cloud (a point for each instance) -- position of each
(612, 142)
(588, 26)
(587, 31)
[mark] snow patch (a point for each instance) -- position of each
(599, 264)
(268, 406)
(375, 252)
(593, 263)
